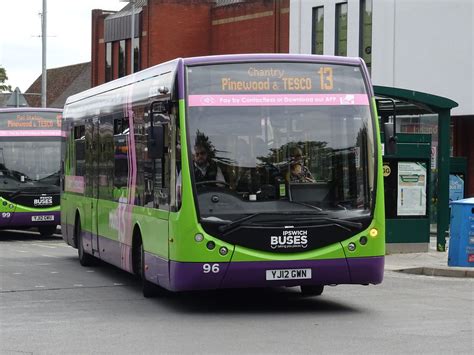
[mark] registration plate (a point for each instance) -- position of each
(42, 218)
(288, 274)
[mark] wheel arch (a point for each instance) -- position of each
(137, 241)
(77, 217)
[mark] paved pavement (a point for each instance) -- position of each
(431, 263)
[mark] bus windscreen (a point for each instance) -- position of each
(287, 137)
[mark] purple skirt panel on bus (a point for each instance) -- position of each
(190, 276)
(30, 219)
(187, 276)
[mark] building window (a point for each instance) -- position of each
(365, 41)
(108, 62)
(317, 45)
(136, 54)
(122, 62)
(341, 29)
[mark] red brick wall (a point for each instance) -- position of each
(97, 48)
(177, 29)
(144, 38)
(259, 26)
(285, 27)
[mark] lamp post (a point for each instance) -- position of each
(43, 61)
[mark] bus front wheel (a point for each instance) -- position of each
(148, 288)
(316, 290)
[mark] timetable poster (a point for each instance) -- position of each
(411, 199)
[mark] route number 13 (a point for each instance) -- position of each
(326, 78)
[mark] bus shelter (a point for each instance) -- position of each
(402, 107)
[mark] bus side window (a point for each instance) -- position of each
(158, 180)
(80, 149)
(121, 132)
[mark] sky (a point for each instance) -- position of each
(68, 31)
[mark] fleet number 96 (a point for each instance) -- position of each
(6, 214)
(207, 268)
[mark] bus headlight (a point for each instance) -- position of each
(373, 232)
(351, 246)
(223, 251)
(199, 237)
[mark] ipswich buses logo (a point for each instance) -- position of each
(43, 201)
(290, 239)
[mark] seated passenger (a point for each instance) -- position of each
(298, 172)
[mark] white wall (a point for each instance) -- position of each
(423, 45)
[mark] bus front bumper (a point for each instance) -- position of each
(31, 219)
(200, 276)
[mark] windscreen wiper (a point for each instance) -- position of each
(343, 222)
(307, 205)
(239, 221)
(336, 221)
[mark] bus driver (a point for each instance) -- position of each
(205, 168)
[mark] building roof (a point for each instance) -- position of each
(127, 9)
(62, 82)
(410, 102)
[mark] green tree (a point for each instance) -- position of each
(3, 78)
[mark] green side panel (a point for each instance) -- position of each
(184, 224)
(72, 204)
(406, 230)
(109, 219)
(114, 216)
(153, 225)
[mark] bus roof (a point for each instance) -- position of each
(271, 57)
(214, 59)
(30, 109)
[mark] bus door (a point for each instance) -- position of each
(92, 179)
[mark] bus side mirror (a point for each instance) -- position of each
(390, 139)
(156, 141)
(161, 107)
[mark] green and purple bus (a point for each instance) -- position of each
(30, 148)
(137, 196)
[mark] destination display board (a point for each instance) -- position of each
(262, 84)
(30, 123)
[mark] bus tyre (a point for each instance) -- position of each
(47, 231)
(148, 288)
(84, 258)
(312, 290)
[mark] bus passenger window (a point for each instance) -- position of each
(121, 132)
(80, 149)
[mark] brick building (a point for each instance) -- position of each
(166, 29)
